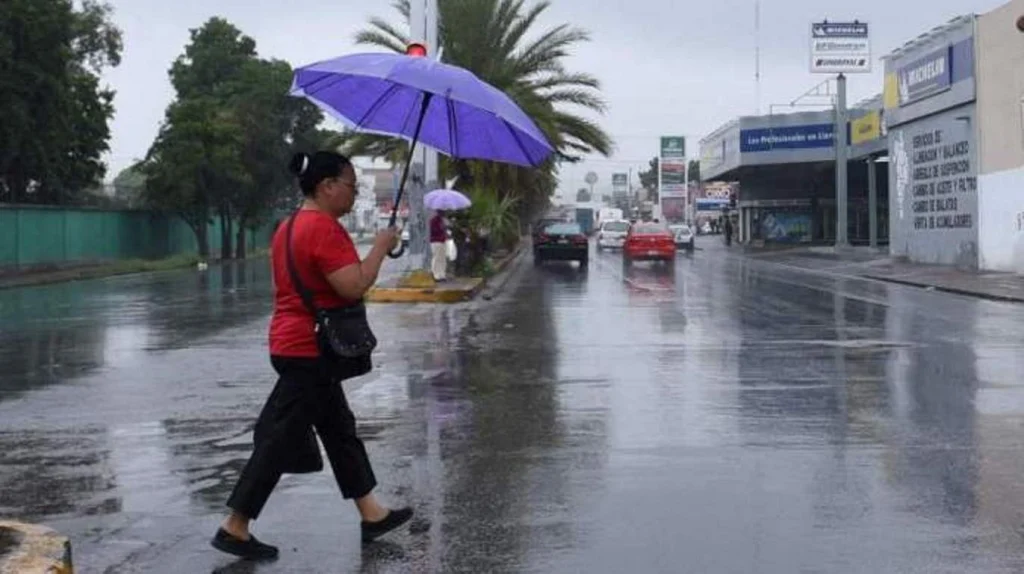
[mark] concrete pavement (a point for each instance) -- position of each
(725, 414)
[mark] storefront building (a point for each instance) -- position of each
(930, 113)
(785, 168)
(954, 108)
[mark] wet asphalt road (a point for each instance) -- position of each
(724, 415)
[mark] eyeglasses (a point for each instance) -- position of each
(353, 185)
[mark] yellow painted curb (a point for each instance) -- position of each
(32, 549)
(428, 295)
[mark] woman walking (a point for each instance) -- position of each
(316, 250)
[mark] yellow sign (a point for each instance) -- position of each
(891, 92)
(867, 128)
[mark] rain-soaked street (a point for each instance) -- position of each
(727, 415)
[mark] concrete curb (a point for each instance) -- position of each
(425, 294)
(497, 282)
(944, 289)
(442, 294)
(32, 549)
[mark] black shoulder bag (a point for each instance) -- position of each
(342, 332)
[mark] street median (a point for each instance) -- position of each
(419, 286)
(32, 549)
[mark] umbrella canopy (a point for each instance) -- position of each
(446, 200)
(385, 93)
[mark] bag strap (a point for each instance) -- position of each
(307, 297)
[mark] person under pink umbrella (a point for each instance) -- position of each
(439, 246)
(442, 201)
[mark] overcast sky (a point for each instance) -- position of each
(668, 66)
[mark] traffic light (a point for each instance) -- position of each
(416, 50)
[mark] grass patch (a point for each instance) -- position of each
(97, 271)
(145, 265)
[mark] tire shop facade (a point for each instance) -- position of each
(954, 105)
(785, 168)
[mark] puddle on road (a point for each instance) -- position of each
(853, 344)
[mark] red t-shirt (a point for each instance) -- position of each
(320, 246)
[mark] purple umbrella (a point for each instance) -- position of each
(446, 107)
(446, 200)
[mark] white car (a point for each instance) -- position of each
(612, 234)
(684, 236)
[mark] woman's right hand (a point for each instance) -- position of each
(387, 239)
(353, 281)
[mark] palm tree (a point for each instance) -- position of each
(488, 38)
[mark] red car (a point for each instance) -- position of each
(649, 242)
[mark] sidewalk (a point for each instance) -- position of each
(399, 287)
(871, 264)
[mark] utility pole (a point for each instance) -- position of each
(757, 53)
(841, 157)
(423, 29)
(872, 203)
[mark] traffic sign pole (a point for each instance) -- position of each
(841, 159)
(840, 48)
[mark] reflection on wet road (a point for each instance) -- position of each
(718, 415)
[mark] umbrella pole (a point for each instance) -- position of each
(405, 172)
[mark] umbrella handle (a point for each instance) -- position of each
(397, 252)
(405, 172)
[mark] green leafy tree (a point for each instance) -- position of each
(227, 138)
(649, 179)
(267, 118)
(195, 156)
(55, 110)
(129, 185)
(694, 169)
(213, 68)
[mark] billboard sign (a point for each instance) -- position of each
(673, 147)
(672, 167)
(620, 182)
(715, 205)
(840, 47)
(866, 128)
(787, 138)
(925, 77)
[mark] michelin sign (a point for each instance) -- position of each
(840, 47)
(925, 77)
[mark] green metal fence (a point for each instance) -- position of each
(44, 235)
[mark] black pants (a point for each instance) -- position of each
(306, 395)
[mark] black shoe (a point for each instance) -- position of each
(250, 549)
(394, 519)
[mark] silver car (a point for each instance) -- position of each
(684, 236)
(612, 234)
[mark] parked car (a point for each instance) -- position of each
(612, 234)
(683, 236)
(543, 224)
(562, 242)
(649, 241)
